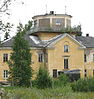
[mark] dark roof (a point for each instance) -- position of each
(9, 42)
(51, 15)
(34, 41)
(86, 41)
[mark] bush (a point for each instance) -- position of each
(43, 79)
(83, 85)
(64, 79)
(61, 81)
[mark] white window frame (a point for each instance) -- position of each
(5, 57)
(5, 74)
(66, 48)
(40, 57)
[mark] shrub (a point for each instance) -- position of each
(43, 79)
(64, 79)
(83, 85)
(61, 81)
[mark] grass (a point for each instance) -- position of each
(54, 93)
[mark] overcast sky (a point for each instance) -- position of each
(81, 10)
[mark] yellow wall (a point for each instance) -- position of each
(56, 56)
(89, 67)
(35, 64)
(3, 65)
(46, 36)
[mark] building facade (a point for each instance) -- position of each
(59, 51)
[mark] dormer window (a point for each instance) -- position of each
(66, 48)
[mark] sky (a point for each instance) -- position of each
(81, 10)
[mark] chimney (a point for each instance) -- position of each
(51, 12)
(87, 35)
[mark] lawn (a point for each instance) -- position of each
(54, 93)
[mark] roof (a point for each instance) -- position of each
(34, 41)
(35, 30)
(55, 39)
(31, 40)
(46, 30)
(51, 15)
(86, 41)
(74, 71)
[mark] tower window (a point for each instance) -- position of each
(35, 23)
(66, 48)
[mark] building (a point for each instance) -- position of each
(61, 52)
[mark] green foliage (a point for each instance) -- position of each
(83, 85)
(56, 93)
(64, 79)
(61, 81)
(5, 28)
(74, 29)
(43, 79)
(20, 60)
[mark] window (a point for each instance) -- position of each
(85, 73)
(40, 57)
(5, 57)
(66, 48)
(93, 57)
(93, 72)
(58, 21)
(85, 58)
(54, 73)
(65, 63)
(5, 74)
(35, 23)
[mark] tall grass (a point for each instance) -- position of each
(48, 93)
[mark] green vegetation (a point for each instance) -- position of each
(64, 79)
(61, 81)
(58, 91)
(52, 93)
(20, 59)
(74, 29)
(43, 79)
(84, 85)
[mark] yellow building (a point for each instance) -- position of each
(60, 52)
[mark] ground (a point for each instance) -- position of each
(54, 93)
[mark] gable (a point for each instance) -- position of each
(66, 38)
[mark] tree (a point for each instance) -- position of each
(20, 59)
(5, 27)
(4, 8)
(43, 79)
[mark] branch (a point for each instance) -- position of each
(5, 4)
